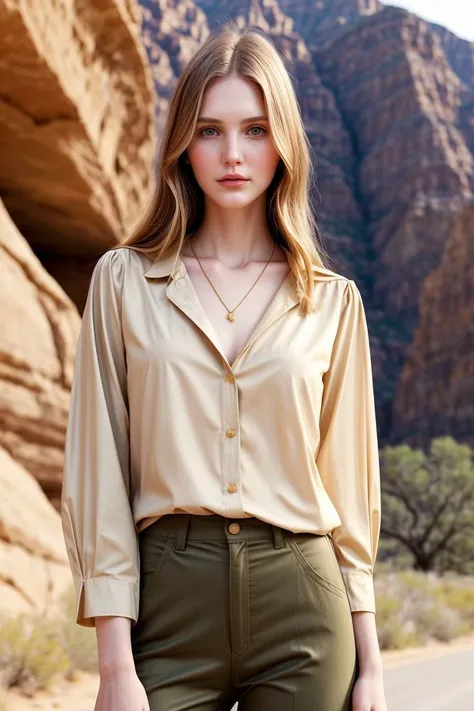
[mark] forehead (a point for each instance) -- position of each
(232, 97)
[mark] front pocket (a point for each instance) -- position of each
(154, 552)
(317, 560)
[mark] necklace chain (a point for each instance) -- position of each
(231, 313)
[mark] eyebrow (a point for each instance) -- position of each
(206, 119)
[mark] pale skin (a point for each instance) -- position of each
(233, 244)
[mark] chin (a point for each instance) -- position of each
(231, 201)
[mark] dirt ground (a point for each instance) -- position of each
(80, 695)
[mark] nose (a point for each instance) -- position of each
(231, 150)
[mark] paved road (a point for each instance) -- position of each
(442, 683)
(445, 683)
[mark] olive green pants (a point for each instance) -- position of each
(239, 610)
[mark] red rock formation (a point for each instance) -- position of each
(323, 21)
(435, 394)
(398, 94)
(460, 53)
(172, 32)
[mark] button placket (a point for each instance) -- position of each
(231, 447)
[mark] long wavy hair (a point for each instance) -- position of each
(177, 207)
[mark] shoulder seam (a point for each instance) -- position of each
(328, 274)
(119, 252)
(109, 254)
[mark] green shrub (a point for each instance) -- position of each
(438, 623)
(37, 648)
(452, 593)
(415, 608)
(31, 655)
(392, 633)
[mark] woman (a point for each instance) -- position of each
(220, 501)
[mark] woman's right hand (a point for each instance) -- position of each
(121, 691)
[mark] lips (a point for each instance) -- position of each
(234, 177)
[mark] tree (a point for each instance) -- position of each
(428, 504)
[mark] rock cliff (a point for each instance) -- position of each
(435, 393)
(77, 134)
(37, 343)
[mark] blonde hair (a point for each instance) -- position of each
(177, 206)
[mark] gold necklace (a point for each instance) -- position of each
(231, 314)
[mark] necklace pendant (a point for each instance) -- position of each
(230, 316)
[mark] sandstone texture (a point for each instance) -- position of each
(37, 342)
(34, 569)
(76, 122)
(40, 325)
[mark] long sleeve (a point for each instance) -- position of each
(96, 513)
(348, 458)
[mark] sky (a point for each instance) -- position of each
(455, 15)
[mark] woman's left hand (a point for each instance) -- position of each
(368, 693)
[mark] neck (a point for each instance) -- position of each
(233, 237)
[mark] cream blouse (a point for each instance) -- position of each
(160, 422)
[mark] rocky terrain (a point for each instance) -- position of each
(438, 374)
(39, 330)
(76, 128)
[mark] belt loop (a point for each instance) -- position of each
(278, 541)
(182, 533)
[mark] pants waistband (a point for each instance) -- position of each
(214, 527)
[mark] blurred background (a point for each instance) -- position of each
(387, 96)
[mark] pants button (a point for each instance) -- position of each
(234, 528)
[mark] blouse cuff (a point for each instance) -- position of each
(360, 591)
(106, 596)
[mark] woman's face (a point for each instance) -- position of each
(232, 135)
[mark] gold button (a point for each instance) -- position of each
(234, 528)
(230, 377)
(232, 488)
(230, 432)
